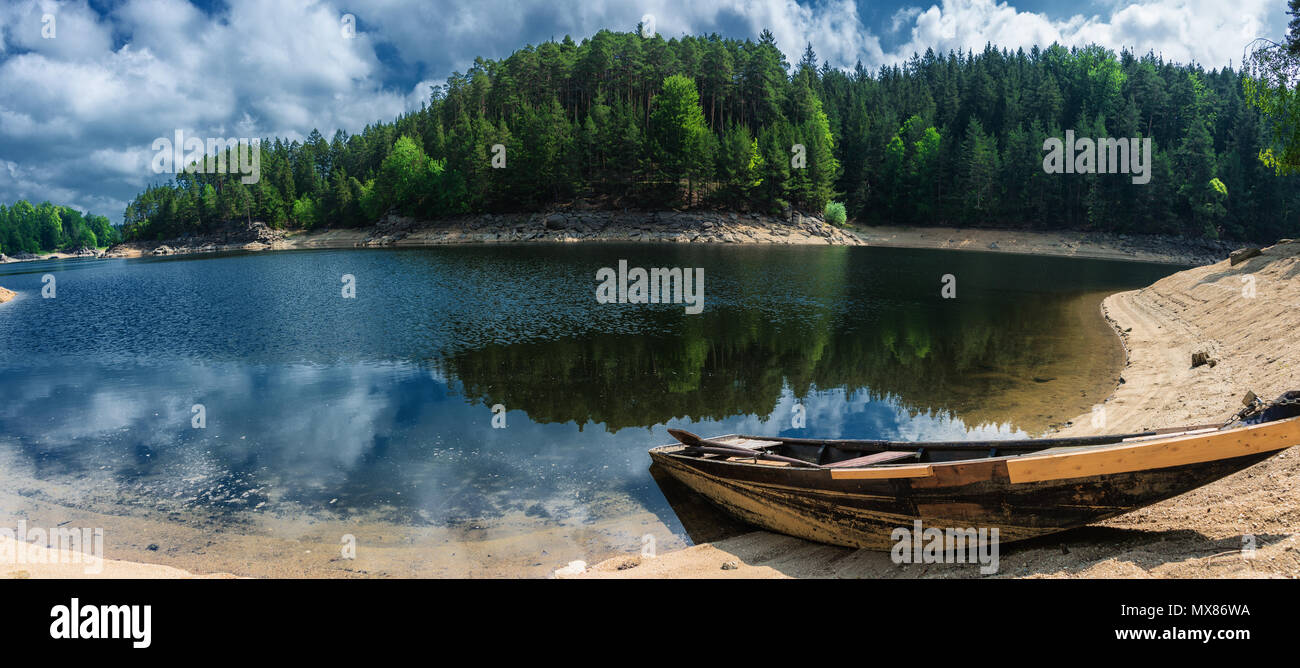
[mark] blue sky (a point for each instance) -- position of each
(81, 106)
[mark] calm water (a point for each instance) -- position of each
(372, 416)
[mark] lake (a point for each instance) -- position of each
(237, 413)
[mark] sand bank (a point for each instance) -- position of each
(1140, 248)
(1255, 341)
(39, 561)
(6, 295)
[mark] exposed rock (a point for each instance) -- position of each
(1242, 254)
(574, 568)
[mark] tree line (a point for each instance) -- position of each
(623, 120)
(28, 228)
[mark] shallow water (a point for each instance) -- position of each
(372, 417)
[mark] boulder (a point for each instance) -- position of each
(1242, 254)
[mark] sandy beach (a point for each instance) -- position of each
(41, 562)
(1254, 339)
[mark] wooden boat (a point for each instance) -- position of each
(856, 492)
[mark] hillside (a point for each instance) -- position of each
(953, 139)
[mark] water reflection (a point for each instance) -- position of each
(375, 412)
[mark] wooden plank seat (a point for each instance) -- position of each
(871, 460)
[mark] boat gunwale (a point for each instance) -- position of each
(924, 470)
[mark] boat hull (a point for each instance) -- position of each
(1023, 497)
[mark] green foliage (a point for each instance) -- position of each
(372, 203)
(405, 178)
(622, 120)
(835, 214)
(46, 227)
(1272, 71)
(978, 169)
(681, 141)
(305, 212)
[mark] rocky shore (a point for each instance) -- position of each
(254, 235)
(580, 225)
(556, 226)
(32, 257)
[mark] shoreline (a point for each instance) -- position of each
(1256, 344)
(1062, 243)
(46, 563)
(1158, 541)
(671, 227)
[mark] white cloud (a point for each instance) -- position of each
(85, 109)
(64, 30)
(1209, 32)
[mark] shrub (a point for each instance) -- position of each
(835, 214)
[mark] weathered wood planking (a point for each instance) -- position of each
(1023, 496)
(882, 473)
(1158, 454)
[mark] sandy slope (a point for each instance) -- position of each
(1256, 342)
